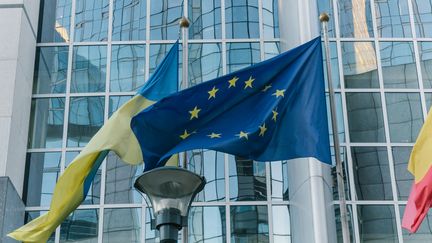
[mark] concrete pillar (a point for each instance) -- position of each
(11, 209)
(310, 181)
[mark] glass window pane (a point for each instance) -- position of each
(247, 179)
(205, 17)
(157, 54)
(428, 97)
(70, 156)
(211, 165)
(249, 224)
(423, 234)
(129, 20)
(42, 172)
(122, 225)
(29, 216)
(205, 62)
(405, 116)
(116, 102)
(88, 69)
(359, 65)
(241, 18)
(327, 6)
(46, 123)
(279, 180)
(365, 118)
(207, 224)
(54, 21)
(164, 18)
(344, 158)
(398, 65)
(334, 65)
(404, 179)
(423, 17)
(377, 223)
(241, 55)
(270, 19)
(339, 225)
(80, 226)
(392, 18)
(120, 178)
(271, 49)
(425, 52)
(50, 70)
(371, 173)
(281, 224)
(86, 116)
(355, 18)
(127, 67)
(91, 20)
(339, 117)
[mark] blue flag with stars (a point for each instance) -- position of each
(274, 110)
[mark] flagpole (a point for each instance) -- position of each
(324, 18)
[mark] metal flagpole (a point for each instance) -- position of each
(324, 18)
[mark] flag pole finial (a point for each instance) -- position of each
(184, 22)
(324, 17)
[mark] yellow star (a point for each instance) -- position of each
(232, 82)
(266, 88)
(274, 115)
(185, 135)
(214, 135)
(263, 129)
(243, 135)
(212, 93)
(279, 92)
(248, 83)
(194, 113)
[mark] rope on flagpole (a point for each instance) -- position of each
(324, 18)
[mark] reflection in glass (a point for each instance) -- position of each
(392, 18)
(127, 67)
(428, 97)
(207, 224)
(205, 17)
(164, 18)
(339, 225)
(241, 18)
(334, 65)
(120, 178)
(205, 62)
(365, 118)
(46, 123)
(122, 225)
(343, 156)
(398, 65)
(241, 55)
(86, 116)
(50, 70)
(327, 7)
(211, 165)
(404, 179)
(54, 21)
(425, 52)
(29, 216)
(80, 226)
(70, 156)
(405, 116)
(88, 69)
(422, 10)
(247, 179)
(42, 172)
(116, 102)
(271, 49)
(355, 18)
(377, 223)
(279, 180)
(270, 19)
(359, 65)
(249, 224)
(281, 224)
(91, 20)
(423, 234)
(151, 235)
(129, 20)
(371, 173)
(339, 117)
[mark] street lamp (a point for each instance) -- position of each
(170, 191)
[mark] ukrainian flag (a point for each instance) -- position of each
(116, 135)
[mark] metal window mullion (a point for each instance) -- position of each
(356, 222)
(227, 198)
(269, 201)
(261, 29)
(147, 41)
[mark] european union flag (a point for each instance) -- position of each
(274, 110)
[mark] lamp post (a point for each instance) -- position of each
(170, 191)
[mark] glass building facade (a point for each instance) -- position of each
(92, 56)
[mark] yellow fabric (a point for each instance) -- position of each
(115, 135)
(421, 155)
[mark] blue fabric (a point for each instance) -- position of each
(164, 80)
(299, 130)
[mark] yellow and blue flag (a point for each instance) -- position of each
(116, 135)
(274, 110)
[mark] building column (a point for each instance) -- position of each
(18, 26)
(310, 181)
